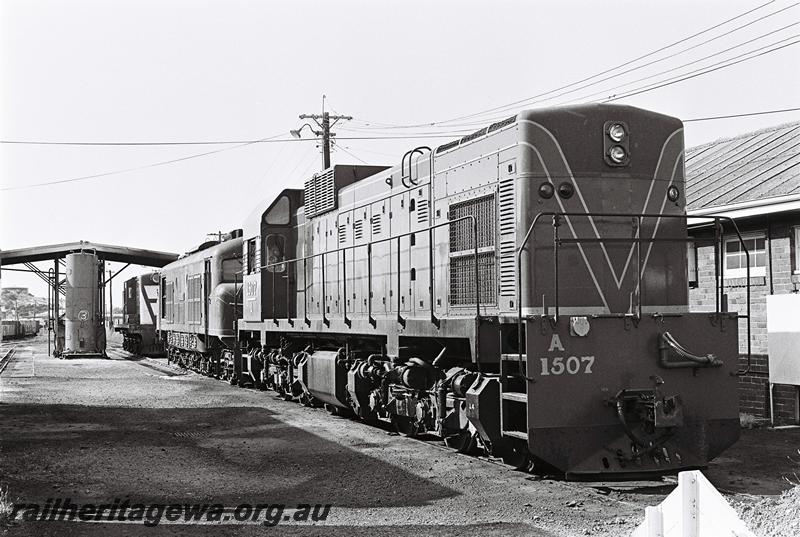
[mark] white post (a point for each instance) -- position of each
(687, 483)
(654, 520)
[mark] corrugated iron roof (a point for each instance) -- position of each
(749, 167)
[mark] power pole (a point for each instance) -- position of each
(324, 121)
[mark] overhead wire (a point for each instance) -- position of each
(601, 73)
(172, 161)
(656, 85)
(126, 170)
(590, 96)
(229, 142)
(452, 133)
(351, 154)
(718, 53)
(729, 116)
(675, 80)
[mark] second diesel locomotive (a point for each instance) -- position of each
(198, 306)
(521, 290)
(140, 311)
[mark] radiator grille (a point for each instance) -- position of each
(501, 124)
(484, 211)
(194, 299)
(319, 195)
(462, 279)
(376, 224)
(508, 223)
(447, 146)
(474, 135)
(462, 258)
(508, 274)
(422, 211)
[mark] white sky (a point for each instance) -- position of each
(179, 70)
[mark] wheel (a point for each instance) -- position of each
(463, 442)
(405, 426)
(516, 455)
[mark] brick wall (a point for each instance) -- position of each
(754, 387)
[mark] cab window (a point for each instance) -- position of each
(276, 248)
(231, 269)
(279, 214)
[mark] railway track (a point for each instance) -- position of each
(7, 354)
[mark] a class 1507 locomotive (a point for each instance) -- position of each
(521, 290)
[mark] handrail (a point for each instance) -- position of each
(409, 154)
(369, 245)
(718, 262)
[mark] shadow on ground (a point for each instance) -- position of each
(224, 455)
(758, 462)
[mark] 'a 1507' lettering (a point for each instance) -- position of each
(571, 365)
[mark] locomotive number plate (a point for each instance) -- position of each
(571, 365)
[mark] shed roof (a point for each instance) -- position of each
(106, 252)
(749, 167)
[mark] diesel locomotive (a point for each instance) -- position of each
(520, 291)
(139, 313)
(198, 311)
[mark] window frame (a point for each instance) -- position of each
(276, 216)
(228, 275)
(755, 271)
(796, 237)
(692, 274)
(282, 243)
(253, 263)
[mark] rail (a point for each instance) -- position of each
(6, 358)
(400, 319)
(718, 264)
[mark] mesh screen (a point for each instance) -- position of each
(484, 211)
(462, 279)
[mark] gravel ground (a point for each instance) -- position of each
(772, 516)
(94, 430)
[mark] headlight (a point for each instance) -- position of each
(546, 190)
(566, 190)
(617, 154)
(616, 132)
(673, 193)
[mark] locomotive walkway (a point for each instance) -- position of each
(96, 430)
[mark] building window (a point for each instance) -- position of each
(691, 258)
(736, 259)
